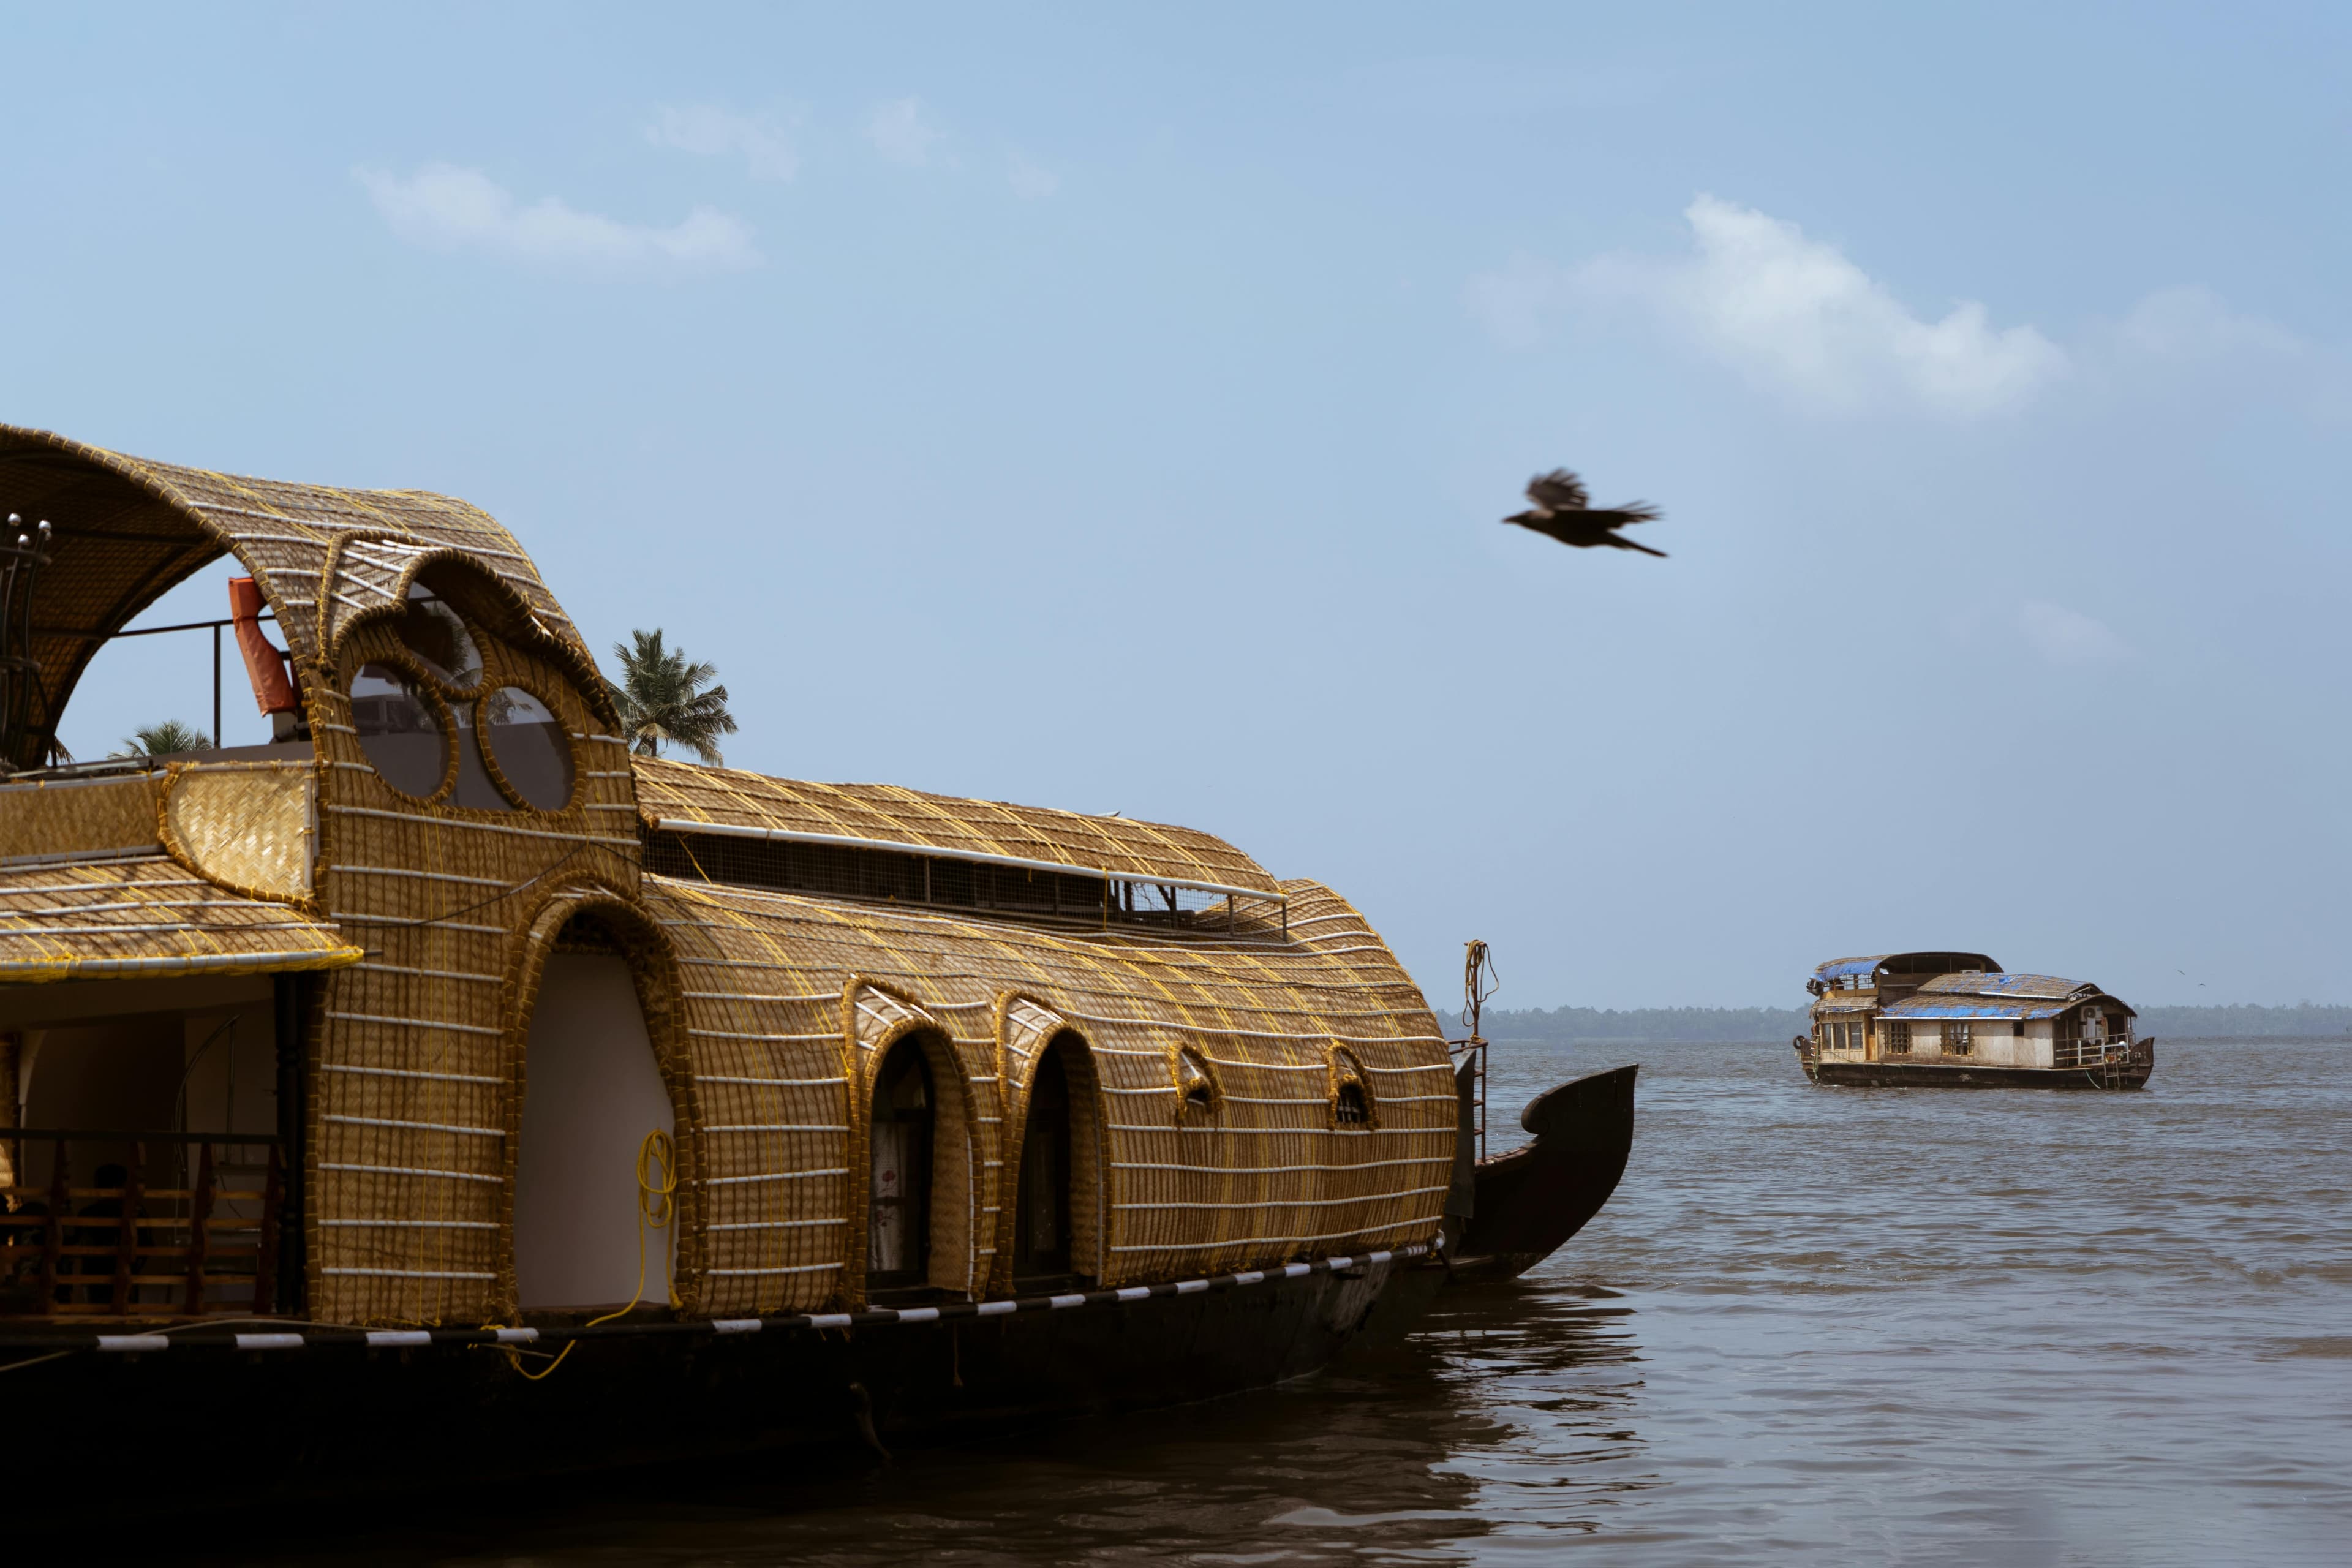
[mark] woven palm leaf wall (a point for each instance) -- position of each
(786, 998)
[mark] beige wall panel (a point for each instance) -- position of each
(593, 1090)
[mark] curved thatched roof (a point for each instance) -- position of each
(128, 529)
(148, 916)
(682, 797)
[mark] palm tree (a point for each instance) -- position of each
(663, 697)
(161, 740)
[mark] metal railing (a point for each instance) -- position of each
(2080, 1053)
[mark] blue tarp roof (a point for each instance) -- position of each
(1927, 1004)
(1839, 968)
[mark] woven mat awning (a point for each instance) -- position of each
(149, 916)
(685, 796)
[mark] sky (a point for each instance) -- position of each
(1113, 409)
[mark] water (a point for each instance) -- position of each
(1814, 1325)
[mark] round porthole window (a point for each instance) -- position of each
(527, 746)
(399, 729)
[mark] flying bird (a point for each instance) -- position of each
(1564, 510)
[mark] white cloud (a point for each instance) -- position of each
(1516, 302)
(1031, 183)
(902, 132)
(1793, 313)
(2067, 637)
(2195, 325)
(763, 140)
(442, 208)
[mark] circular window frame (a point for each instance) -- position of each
(490, 753)
(423, 685)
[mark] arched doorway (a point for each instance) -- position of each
(593, 1090)
(1041, 1229)
(903, 1137)
(1058, 1199)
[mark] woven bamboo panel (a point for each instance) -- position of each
(416, 1050)
(126, 528)
(246, 826)
(147, 916)
(1266, 1178)
(66, 818)
(888, 814)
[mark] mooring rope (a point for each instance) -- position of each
(657, 1207)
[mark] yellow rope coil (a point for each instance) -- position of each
(656, 1209)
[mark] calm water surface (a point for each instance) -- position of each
(1816, 1326)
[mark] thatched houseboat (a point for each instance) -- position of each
(443, 1021)
(1959, 1020)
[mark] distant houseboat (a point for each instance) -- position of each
(1958, 1019)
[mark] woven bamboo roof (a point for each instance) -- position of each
(128, 529)
(148, 916)
(683, 795)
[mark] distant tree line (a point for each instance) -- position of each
(1567, 1025)
(1561, 1025)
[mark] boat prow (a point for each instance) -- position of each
(1530, 1201)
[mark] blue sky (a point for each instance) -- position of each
(1112, 410)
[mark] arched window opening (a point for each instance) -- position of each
(1353, 1108)
(899, 1230)
(436, 633)
(1042, 1234)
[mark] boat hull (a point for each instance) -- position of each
(334, 1421)
(2129, 1073)
(1530, 1201)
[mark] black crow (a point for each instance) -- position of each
(1562, 510)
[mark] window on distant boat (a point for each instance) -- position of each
(1957, 1040)
(1899, 1036)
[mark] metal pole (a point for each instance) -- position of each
(291, 1014)
(216, 730)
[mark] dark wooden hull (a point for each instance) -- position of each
(2133, 1073)
(333, 1422)
(1530, 1201)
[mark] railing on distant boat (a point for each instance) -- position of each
(206, 1246)
(2079, 1053)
